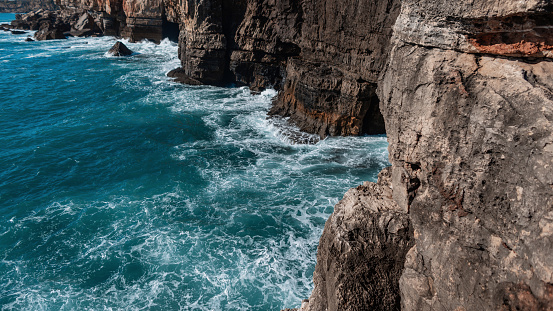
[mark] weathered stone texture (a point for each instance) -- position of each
(24, 6)
(362, 251)
(330, 88)
(475, 132)
(470, 138)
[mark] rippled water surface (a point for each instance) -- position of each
(120, 190)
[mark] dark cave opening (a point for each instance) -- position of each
(170, 30)
(373, 121)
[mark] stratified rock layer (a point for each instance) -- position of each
(325, 56)
(475, 131)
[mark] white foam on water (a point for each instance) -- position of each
(246, 241)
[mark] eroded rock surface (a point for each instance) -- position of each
(24, 6)
(467, 96)
(362, 251)
(325, 56)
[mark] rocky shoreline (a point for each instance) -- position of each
(25, 6)
(463, 219)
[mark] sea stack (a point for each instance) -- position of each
(119, 49)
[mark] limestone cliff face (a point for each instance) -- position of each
(473, 127)
(330, 87)
(467, 96)
(136, 20)
(324, 56)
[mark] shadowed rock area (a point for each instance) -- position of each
(327, 75)
(119, 49)
(362, 251)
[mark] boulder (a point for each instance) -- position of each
(179, 75)
(18, 32)
(119, 49)
(86, 21)
(20, 24)
(48, 31)
(79, 33)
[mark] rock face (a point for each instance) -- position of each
(467, 96)
(362, 251)
(474, 128)
(327, 77)
(325, 55)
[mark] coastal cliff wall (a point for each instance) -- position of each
(23, 6)
(463, 219)
(467, 98)
(324, 56)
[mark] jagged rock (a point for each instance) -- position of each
(86, 21)
(179, 75)
(80, 33)
(19, 6)
(475, 132)
(20, 24)
(362, 251)
(325, 100)
(465, 90)
(119, 49)
(270, 40)
(49, 31)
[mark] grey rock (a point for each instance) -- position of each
(86, 21)
(362, 251)
(119, 49)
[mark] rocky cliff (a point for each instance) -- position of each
(463, 219)
(23, 6)
(467, 98)
(324, 56)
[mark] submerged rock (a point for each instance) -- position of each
(119, 49)
(29, 39)
(80, 33)
(18, 32)
(179, 75)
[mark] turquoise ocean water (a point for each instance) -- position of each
(120, 190)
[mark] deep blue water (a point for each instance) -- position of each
(120, 190)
